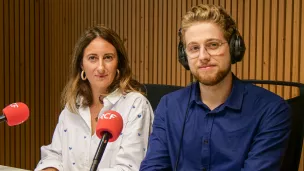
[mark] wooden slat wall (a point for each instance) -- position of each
(37, 38)
(25, 77)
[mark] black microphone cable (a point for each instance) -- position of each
(183, 130)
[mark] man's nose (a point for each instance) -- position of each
(203, 54)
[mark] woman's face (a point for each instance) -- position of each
(100, 62)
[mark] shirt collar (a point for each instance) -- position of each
(112, 98)
(109, 102)
(234, 100)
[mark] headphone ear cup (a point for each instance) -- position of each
(237, 48)
(182, 56)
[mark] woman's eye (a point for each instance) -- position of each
(108, 58)
(92, 58)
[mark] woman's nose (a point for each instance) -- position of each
(101, 67)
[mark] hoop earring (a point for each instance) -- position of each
(117, 75)
(82, 75)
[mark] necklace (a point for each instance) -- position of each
(96, 116)
(101, 101)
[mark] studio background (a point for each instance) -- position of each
(37, 39)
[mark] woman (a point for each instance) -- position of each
(101, 80)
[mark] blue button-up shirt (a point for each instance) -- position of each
(248, 132)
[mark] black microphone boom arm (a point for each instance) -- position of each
(2, 118)
(100, 150)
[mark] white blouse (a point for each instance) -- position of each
(73, 147)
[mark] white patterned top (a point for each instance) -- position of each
(73, 148)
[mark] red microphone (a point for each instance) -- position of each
(108, 128)
(110, 122)
(15, 113)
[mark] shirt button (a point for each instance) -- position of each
(206, 141)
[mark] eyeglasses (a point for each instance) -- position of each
(212, 47)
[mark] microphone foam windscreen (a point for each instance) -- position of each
(16, 113)
(110, 122)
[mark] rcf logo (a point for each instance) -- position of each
(108, 116)
(14, 105)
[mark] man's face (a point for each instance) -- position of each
(207, 52)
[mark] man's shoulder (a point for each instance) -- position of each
(181, 93)
(262, 95)
(176, 100)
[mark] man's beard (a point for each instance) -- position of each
(209, 80)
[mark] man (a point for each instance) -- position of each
(218, 123)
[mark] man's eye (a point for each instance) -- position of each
(212, 45)
(193, 48)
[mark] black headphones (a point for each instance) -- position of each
(236, 45)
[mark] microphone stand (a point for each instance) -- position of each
(99, 152)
